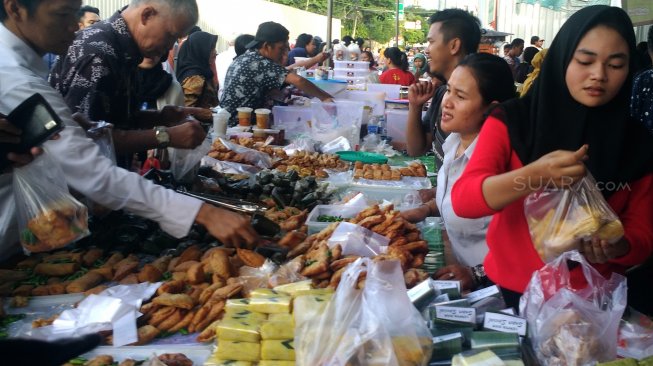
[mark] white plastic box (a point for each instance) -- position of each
(360, 65)
(396, 121)
(349, 73)
(315, 226)
(391, 90)
(293, 120)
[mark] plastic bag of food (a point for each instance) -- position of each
(375, 325)
(571, 326)
(558, 219)
(48, 216)
(635, 335)
(357, 240)
(185, 162)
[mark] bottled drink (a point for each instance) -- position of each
(373, 125)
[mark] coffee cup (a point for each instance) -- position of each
(262, 117)
(244, 116)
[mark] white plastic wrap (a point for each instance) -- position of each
(184, 162)
(357, 240)
(229, 167)
(257, 158)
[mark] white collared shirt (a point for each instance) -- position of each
(23, 73)
(467, 236)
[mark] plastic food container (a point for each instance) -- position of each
(349, 73)
(315, 226)
(332, 87)
(360, 65)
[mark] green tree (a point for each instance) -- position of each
(369, 19)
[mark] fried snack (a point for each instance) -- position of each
(96, 290)
(63, 256)
(130, 258)
(250, 258)
(179, 276)
(113, 259)
(146, 334)
(147, 310)
(104, 271)
(29, 262)
(292, 239)
(195, 274)
(317, 261)
(149, 273)
(125, 268)
(56, 269)
(208, 292)
(87, 281)
(342, 263)
(131, 279)
(176, 359)
(209, 333)
(370, 221)
(101, 360)
(171, 287)
(91, 256)
(173, 263)
(218, 264)
(419, 246)
(171, 320)
(22, 291)
(42, 290)
(55, 227)
(175, 300)
(162, 263)
(192, 253)
(195, 291)
(128, 362)
(160, 314)
(40, 322)
(183, 323)
(215, 312)
(183, 267)
(226, 292)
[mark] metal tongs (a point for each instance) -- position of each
(225, 202)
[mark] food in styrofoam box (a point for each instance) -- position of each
(277, 329)
(278, 349)
(238, 330)
(292, 288)
(271, 305)
(237, 305)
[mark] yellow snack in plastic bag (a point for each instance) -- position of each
(309, 307)
(271, 305)
(238, 330)
(277, 330)
(245, 315)
(238, 351)
(278, 350)
(288, 318)
(292, 288)
(276, 363)
(214, 361)
(266, 292)
(237, 305)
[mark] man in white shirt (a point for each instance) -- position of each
(222, 63)
(27, 32)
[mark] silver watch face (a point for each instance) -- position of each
(162, 136)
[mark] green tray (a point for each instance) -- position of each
(362, 156)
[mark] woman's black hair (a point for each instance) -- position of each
(303, 40)
(397, 57)
(371, 56)
(240, 43)
(492, 75)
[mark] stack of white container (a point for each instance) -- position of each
(355, 73)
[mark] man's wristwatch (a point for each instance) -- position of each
(162, 136)
(479, 276)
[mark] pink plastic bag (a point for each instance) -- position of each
(569, 326)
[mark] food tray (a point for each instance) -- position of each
(315, 226)
(198, 354)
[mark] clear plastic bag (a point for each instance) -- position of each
(256, 158)
(635, 335)
(185, 162)
(376, 325)
(558, 219)
(571, 326)
(340, 118)
(49, 217)
(357, 240)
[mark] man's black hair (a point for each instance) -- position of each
(87, 9)
(517, 42)
(31, 6)
(303, 40)
(457, 23)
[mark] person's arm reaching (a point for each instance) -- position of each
(308, 87)
(417, 141)
(308, 63)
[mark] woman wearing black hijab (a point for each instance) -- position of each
(575, 119)
(194, 70)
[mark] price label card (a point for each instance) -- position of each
(482, 294)
(456, 314)
(505, 323)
